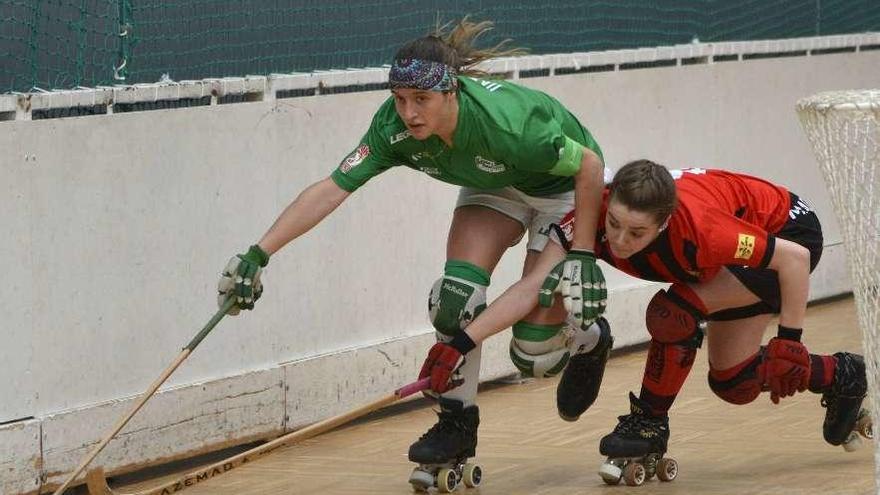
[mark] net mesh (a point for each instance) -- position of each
(64, 43)
(844, 130)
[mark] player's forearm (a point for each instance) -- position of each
(588, 186)
(516, 302)
(792, 264)
(311, 206)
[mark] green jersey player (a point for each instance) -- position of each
(522, 161)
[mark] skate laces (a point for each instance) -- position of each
(848, 382)
(637, 423)
(449, 423)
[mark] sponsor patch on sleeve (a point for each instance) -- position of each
(567, 226)
(745, 246)
(355, 158)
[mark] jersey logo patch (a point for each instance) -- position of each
(745, 246)
(400, 136)
(355, 158)
(488, 165)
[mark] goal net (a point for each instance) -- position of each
(844, 130)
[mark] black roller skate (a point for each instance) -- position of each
(442, 452)
(580, 382)
(845, 419)
(636, 447)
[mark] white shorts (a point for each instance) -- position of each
(534, 213)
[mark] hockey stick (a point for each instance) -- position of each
(150, 391)
(97, 483)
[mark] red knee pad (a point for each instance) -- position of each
(675, 316)
(737, 385)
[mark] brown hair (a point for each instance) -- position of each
(645, 186)
(455, 47)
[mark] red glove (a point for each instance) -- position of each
(786, 365)
(442, 361)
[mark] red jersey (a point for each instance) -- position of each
(722, 218)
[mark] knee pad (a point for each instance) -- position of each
(540, 351)
(457, 297)
(675, 320)
(676, 316)
(737, 385)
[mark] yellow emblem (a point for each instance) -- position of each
(745, 246)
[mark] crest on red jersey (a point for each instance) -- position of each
(745, 246)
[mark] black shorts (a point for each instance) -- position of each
(803, 228)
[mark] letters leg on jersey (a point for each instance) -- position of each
(455, 300)
(674, 318)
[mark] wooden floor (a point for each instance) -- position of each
(524, 448)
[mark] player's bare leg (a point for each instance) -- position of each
(477, 239)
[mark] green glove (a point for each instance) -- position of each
(241, 279)
(580, 281)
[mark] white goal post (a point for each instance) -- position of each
(844, 130)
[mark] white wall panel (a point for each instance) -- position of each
(116, 227)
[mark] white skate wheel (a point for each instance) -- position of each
(853, 442)
(421, 480)
(667, 469)
(634, 474)
(610, 473)
(472, 475)
(446, 480)
(865, 424)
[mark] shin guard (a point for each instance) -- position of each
(675, 321)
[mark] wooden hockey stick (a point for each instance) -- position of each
(97, 483)
(150, 391)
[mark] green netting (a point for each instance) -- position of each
(65, 43)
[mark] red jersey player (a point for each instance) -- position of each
(737, 250)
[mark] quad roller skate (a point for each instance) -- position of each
(580, 382)
(846, 422)
(443, 451)
(445, 477)
(864, 427)
(636, 448)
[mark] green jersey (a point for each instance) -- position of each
(506, 135)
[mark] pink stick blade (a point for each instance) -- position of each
(413, 387)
